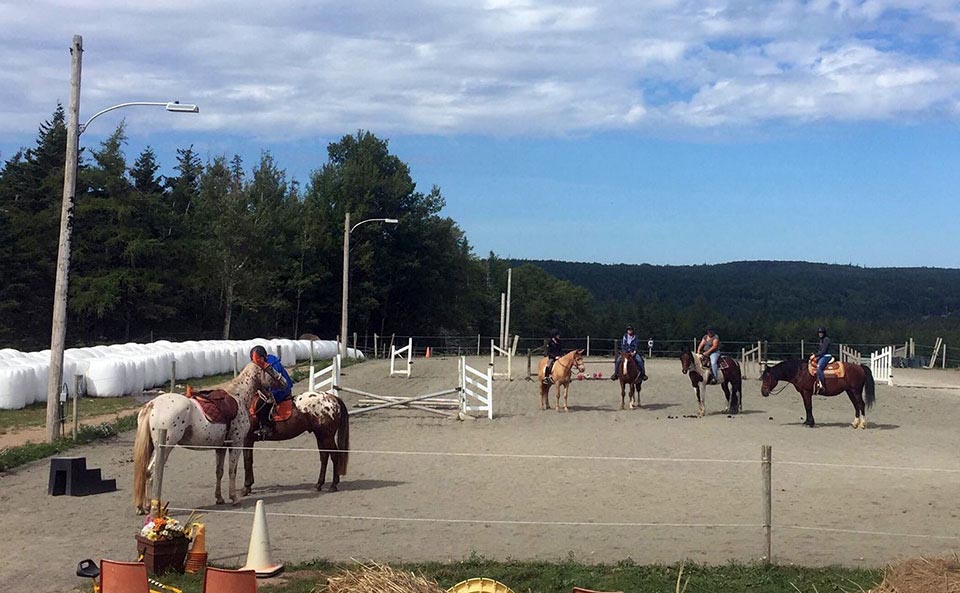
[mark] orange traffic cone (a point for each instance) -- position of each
(197, 556)
(258, 553)
(428, 352)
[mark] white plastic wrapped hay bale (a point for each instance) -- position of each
(16, 381)
(106, 377)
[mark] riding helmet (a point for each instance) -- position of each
(822, 330)
(711, 330)
(630, 327)
(554, 333)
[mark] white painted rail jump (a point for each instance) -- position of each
(396, 353)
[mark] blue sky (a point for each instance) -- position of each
(673, 132)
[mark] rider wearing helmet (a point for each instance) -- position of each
(554, 351)
(823, 357)
(629, 343)
(710, 346)
(265, 408)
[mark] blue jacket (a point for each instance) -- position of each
(628, 344)
(280, 393)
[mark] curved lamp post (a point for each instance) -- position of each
(74, 129)
(347, 229)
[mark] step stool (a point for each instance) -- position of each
(70, 476)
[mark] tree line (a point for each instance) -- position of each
(222, 249)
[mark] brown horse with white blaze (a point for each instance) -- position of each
(730, 379)
(855, 380)
(629, 374)
(323, 414)
(561, 374)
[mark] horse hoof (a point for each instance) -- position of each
(862, 425)
(333, 488)
(245, 492)
(234, 503)
(220, 501)
(319, 487)
(141, 511)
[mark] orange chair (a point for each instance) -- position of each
(218, 580)
(580, 590)
(123, 577)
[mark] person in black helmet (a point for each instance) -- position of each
(629, 343)
(554, 351)
(823, 357)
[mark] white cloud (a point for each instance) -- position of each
(502, 67)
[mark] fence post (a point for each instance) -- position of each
(173, 375)
(354, 345)
(77, 380)
(588, 346)
(236, 364)
(158, 470)
(280, 353)
(529, 364)
(766, 456)
(802, 349)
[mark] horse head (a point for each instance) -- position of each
(767, 381)
(254, 378)
(686, 359)
(578, 360)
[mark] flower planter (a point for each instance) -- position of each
(161, 556)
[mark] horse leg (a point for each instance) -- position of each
(566, 392)
(860, 420)
(808, 406)
(324, 457)
(726, 394)
(220, 452)
(623, 395)
(701, 395)
(331, 444)
(633, 396)
(248, 464)
(234, 463)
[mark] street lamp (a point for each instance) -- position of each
(347, 229)
(74, 129)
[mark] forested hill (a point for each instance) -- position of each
(770, 299)
(778, 289)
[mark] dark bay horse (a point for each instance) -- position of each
(857, 377)
(323, 414)
(561, 374)
(730, 379)
(629, 375)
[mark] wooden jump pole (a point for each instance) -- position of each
(766, 457)
(173, 375)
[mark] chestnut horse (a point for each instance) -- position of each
(561, 374)
(323, 414)
(730, 379)
(629, 375)
(857, 377)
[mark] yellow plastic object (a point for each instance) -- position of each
(480, 585)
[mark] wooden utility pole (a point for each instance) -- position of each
(346, 281)
(59, 331)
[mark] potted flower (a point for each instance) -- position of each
(163, 542)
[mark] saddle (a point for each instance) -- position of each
(281, 411)
(218, 405)
(833, 370)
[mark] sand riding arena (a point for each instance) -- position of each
(655, 484)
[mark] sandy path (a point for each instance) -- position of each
(383, 493)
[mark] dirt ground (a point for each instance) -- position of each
(398, 507)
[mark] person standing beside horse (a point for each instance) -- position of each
(554, 351)
(259, 356)
(629, 344)
(710, 346)
(823, 358)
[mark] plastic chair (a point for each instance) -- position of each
(123, 577)
(218, 580)
(581, 590)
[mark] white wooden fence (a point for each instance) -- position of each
(320, 381)
(881, 363)
(750, 361)
(476, 389)
(848, 354)
(399, 353)
(508, 353)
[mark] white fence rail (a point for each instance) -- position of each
(881, 363)
(848, 354)
(476, 389)
(509, 352)
(326, 379)
(396, 353)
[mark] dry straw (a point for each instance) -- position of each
(919, 575)
(376, 578)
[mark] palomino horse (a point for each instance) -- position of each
(855, 378)
(730, 380)
(629, 375)
(323, 414)
(562, 374)
(186, 425)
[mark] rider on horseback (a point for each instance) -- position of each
(265, 408)
(554, 351)
(710, 346)
(629, 343)
(823, 358)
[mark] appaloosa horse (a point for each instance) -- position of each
(629, 374)
(561, 374)
(323, 414)
(187, 425)
(730, 379)
(840, 377)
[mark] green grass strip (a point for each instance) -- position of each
(12, 457)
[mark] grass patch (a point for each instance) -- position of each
(36, 414)
(11, 457)
(561, 577)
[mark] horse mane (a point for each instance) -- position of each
(787, 368)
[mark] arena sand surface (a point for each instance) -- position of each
(395, 507)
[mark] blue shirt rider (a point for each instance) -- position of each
(710, 346)
(823, 356)
(629, 343)
(264, 408)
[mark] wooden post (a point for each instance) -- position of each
(173, 375)
(478, 344)
(503, 312)
(236, 364)
(158, 470)
(943, 361)
(802, 349)
(766, 457)
(77, 381)
(374, 344)
(59, 328)
(529, 363)
(311, 352)
(355, 344)
(506, 322)
(588, 346)
(280, 353)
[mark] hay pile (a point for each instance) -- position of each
(375, 578)
(919, 575)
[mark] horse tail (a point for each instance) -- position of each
(871, 387)
(142, 450)
(343, 437)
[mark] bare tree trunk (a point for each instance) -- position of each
(228, 306)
